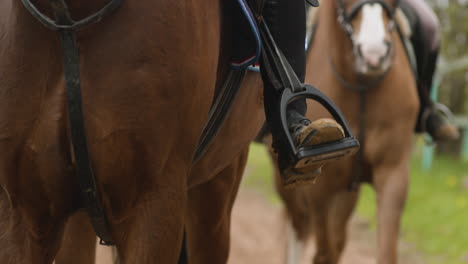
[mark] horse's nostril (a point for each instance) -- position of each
(374, 54)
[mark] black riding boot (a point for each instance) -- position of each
(286, 20)
(432, 118)
(287, 23)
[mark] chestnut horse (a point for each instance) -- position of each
(371, 55)
(149, 73)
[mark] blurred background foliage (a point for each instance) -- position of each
(434, 223)
(453, 64)
(453, 18)
(436, 214)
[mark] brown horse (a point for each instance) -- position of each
(371, 54)
(149, 74)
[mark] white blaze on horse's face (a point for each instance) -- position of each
(370, 40)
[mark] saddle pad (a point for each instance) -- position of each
(247, 41)
(406, 21)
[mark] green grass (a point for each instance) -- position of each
(436, 215)
(260, 172)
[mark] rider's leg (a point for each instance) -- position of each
(426, 40)
(286, 20)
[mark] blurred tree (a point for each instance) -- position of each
(453, 89)
(452, 15)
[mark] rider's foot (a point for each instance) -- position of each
(440, 128)
(306, 133)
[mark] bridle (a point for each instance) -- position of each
(345, 18)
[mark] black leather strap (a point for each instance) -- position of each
(345, 17)
(83, 168)
(219, 111)
(66, 27)
(183, 257)
(61, 9)
(279, 71)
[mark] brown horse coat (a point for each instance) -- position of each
(149, 74)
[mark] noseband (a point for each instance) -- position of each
(345, 18)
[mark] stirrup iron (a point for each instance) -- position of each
(284, 78)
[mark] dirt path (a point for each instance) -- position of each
(258, 236)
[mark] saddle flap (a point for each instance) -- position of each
(246, 37)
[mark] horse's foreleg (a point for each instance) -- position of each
(152, 230)
(341, 209)
(299, 222)
(27, 236)
(391, 187)
(322, 236)
(79, 241)
(209, 215)
(294, 247)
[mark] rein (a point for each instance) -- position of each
(345, 20)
